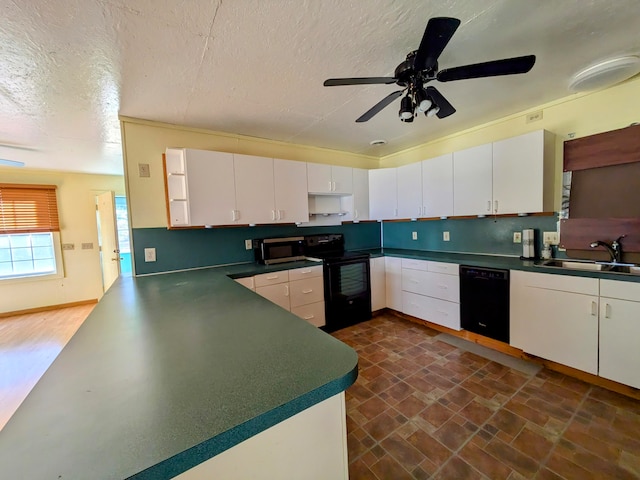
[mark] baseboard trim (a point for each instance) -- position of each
(516, 352)
(49, 307)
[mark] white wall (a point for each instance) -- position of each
(82, 278)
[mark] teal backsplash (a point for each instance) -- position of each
(469, 235)
(182, 249)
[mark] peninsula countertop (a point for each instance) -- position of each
(166, 372)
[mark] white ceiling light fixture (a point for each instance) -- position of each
(605, 73)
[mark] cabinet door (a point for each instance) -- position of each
(278, 294)
(358, 204)
(393, 280)
(312, 313)
(409, 186)
(319, 178)
(518, 174)
(472, 181)
(619, 339)
(437, 186)
(290, 183)
(254, 189)
(304, 292)
(432, 310)
(378, 283)
(561, 326)
(342, 180)
(210, 187)
(383, 200)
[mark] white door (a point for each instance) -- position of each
(619, 333)
(393, 282)
(359, 202)
(409, 178)
(437, 186)
(472, 181)
(518, 174)
(109, 251)
(255, 197)
(290, 183)
(378, 284)
(383, 199)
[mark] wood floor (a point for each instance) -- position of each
(29, 343)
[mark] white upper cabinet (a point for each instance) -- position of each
(437, 186)
(383, 199)
(409, 178)
(329, 179)
(356, 206)
(473, 181)
(210, 184)
(520, 165)
(290, 182)
(254, 189)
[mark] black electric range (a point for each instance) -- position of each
(347, 284)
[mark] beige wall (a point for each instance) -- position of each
(76, 205)
(145, 142)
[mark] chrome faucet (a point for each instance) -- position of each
(615, 249)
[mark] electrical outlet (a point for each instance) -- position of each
(552, 238)
(445, 236)
(143, 170)
(517, 237)
(248, 245)
(414, 235)
(149, 254)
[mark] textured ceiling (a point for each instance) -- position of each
(69, 67)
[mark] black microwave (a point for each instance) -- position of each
(279, 250)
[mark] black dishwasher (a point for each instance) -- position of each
(484, 301)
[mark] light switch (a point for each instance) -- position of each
(414, 235)
(445, 236)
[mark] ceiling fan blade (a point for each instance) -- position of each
(11, 163)
(507, 66)
(446, 108)
(334, 82)
(379, 106)
(436, 36)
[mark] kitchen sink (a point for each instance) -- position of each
(591, 265)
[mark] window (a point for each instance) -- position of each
(28, 224)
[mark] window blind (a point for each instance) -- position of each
(28, 208)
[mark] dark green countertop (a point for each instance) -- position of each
(167, 372)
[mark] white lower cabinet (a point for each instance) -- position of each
(556, 317)
(431, 291)
(393, 282)
(247, 282)
(620, 332)
(378, 283)
(300, 290)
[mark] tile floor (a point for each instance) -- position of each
(422, 408)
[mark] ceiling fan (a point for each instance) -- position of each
(421, 67)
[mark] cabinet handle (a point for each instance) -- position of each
(233, 215)
(307, 291)
(446, 314)
(488, 205)
(286, 290)
(273, 277)
(280, 214)
(305, 271)
(309, 317)
(607, 310)
(273, 215)
(355, 213)
(496, 205)
(594, 308)
(330, 186)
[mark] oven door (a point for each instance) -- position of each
(347, 292)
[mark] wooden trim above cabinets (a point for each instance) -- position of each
(604, 149)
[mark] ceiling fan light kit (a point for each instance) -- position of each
(605, 73)
(421, 67)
